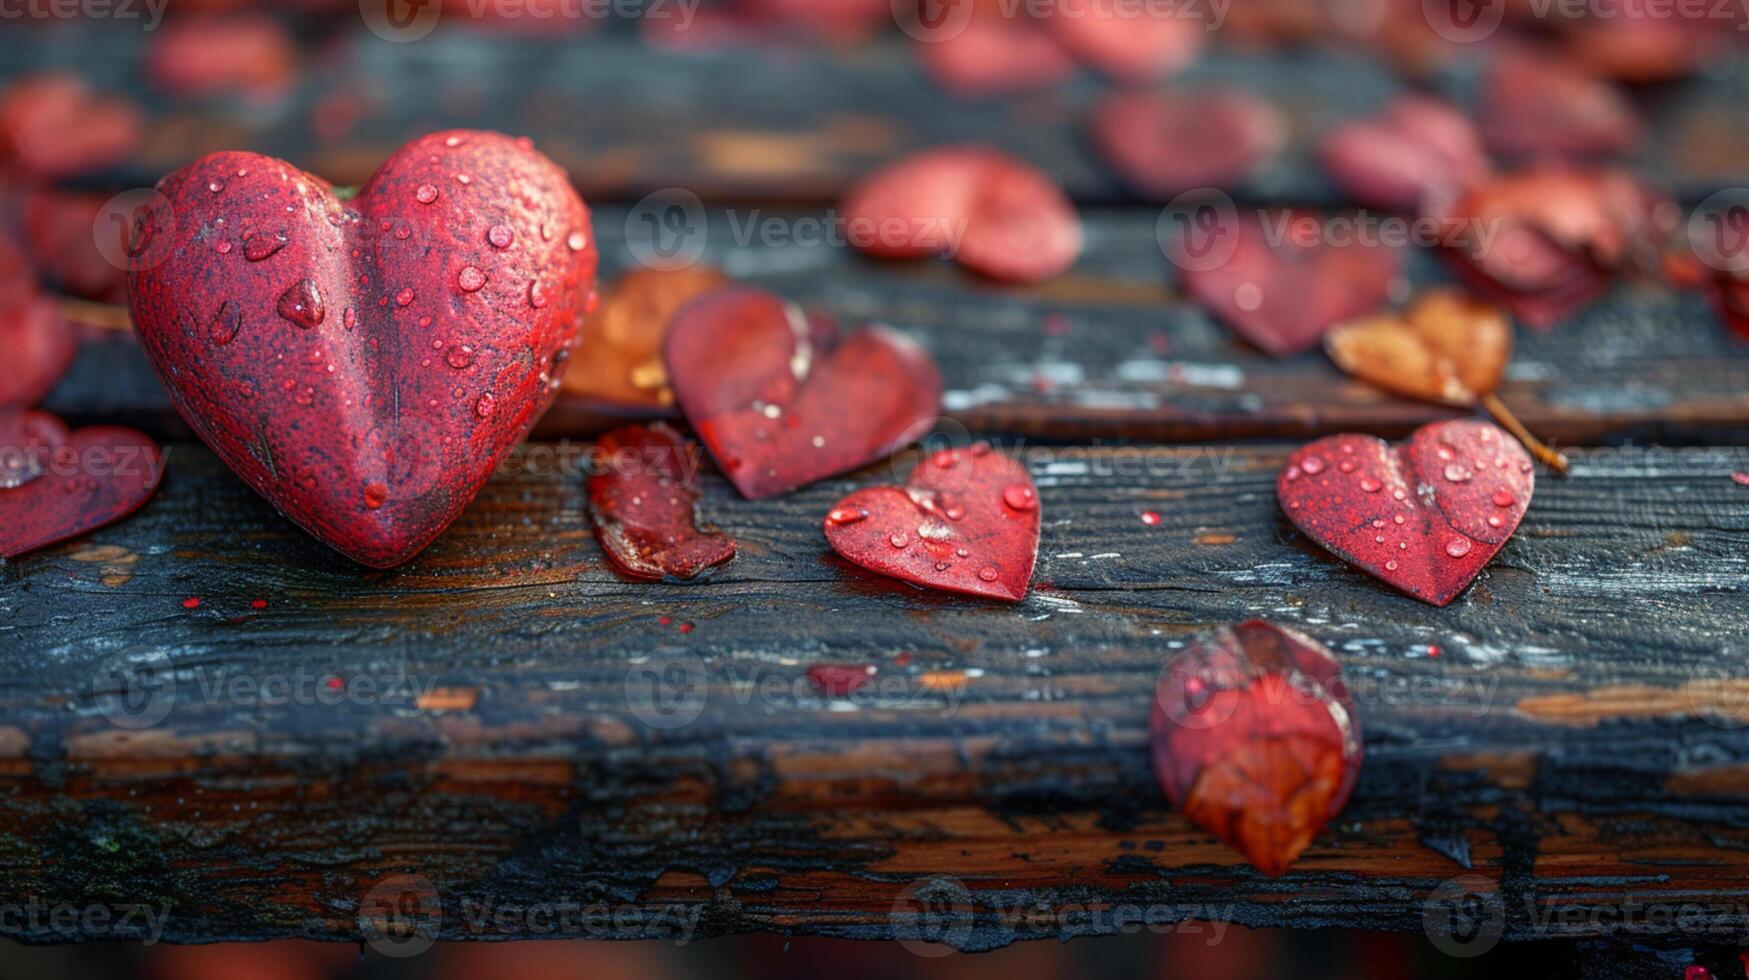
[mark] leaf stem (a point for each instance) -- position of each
(1551, 458)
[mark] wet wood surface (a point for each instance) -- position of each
(205, 712)
(506, 718)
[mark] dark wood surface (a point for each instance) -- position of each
(1570, 731)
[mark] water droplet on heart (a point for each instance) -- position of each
(1398, 495)
(1446, 452)
(1457, 473)
(258, 247)
(484, 405)
(961, 553)
(1293, 473)
(460, 356)
(18, 468)
(1370, 485)
(216, 186)
(403, 233)
(840, 516)
(463, 179)
(1019, 497)
(425, 194)
(500, 236)
(1150, 518)
(224, 247)
(1347, 465)
(1377, 523)
(404, 297)
(470, 279)
(1397, 519)
(575, 241)
(349, 319)
(374, 494)
(1313, 465)
(1504, 498)
(226, 324)
(537, 295)
(1391, 565)
(1495, 521)
(453, 142)
(898, 539)
(302, 304)
(987, 573)
(955, 512)
(1459, 547)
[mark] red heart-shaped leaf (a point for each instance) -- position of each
(365, 364)
(39, 345)
(1536, 104)
(56, 485)
(1130, 46)
(1425, 516)
(994, 55)
(966, 521)
(56, 125)
(1166, 144)
(781, 402)
(1285, 282)
(642, 497)
(994, 214)
(1255, 737)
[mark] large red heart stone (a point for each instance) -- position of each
(56, 485)
(781, 402)
(966, 521)
(1424, 516)
(365, 363)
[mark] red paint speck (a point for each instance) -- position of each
(1741, 478)
(333, 683)
(1697, 972)
(1432, 650)
(666, 620)
(902, 660)
(839, 680)
(192, 602)
(685, 627)
(1150, 518)
(258, 604)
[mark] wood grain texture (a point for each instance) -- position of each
(1576, 740)
(770, 122)
(1112, 350)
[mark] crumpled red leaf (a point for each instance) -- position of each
(993, 55)
(643, 497)
(1130, 46)
(1255, 736)
(248, 54)
(1547, 241)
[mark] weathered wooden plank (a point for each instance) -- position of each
(1111, 350)
(1570, 729)
(769, 122)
